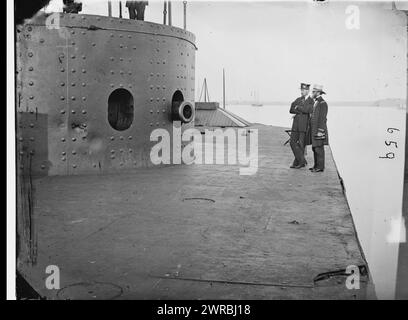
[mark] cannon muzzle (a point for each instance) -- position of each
(183, 111)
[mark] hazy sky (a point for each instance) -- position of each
(271, 47)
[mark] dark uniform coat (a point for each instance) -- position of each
(302, 113)
(318, 123)
(131, 4)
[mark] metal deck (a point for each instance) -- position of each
(217, 117)
(198, 232)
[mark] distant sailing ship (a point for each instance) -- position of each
(256, 102)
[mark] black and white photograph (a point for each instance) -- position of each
(207, 150)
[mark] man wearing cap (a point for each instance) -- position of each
(301, 108)
(318, 123)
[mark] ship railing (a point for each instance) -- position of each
(75, 6)
(167, 14)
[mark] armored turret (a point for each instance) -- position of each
(90, 90)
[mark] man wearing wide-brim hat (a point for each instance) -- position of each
(318, 125)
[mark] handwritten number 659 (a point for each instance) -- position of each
(390, 155)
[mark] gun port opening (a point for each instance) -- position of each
(120, 109)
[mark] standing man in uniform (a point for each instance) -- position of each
(318, 123)
(301, 108)
(136, 9)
